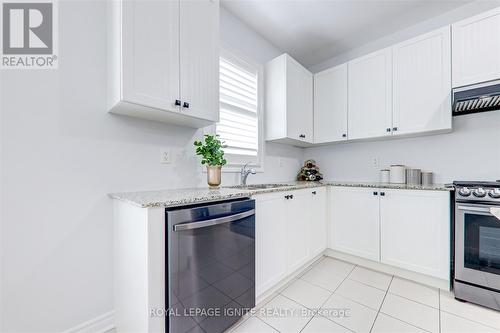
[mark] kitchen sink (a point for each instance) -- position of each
(260, 186)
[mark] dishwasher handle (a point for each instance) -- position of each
(212, 222)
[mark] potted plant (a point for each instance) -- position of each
(212, 156)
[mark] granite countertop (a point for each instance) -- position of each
(180, 197)
(433, 187)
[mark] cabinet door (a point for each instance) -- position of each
(316, 224)
(370, 95)
(355, 221)
(199, 58)
(297, 229)
(270, 241)
(476, 49)
(299, 101)
(150, 53)
(422, 83)
(330, 105)
(415, 231)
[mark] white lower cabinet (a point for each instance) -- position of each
(355, 221)
(402, 228)
(297, 229)
(290, 231)
(415, 231)
(317, 223)
(270, 241)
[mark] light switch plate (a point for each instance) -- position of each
(166, 156)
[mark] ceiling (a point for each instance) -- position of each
(312, 31)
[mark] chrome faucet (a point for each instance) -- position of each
(245, 172)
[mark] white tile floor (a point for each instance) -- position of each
(365, 301)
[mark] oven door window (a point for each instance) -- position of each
(482, 242)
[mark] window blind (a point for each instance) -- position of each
(238, 127)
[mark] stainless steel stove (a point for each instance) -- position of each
(477, 242)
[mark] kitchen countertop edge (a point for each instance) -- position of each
(181, 197)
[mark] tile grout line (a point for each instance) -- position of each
(421, 328)
(439, 308)
(407, 323)
(342, 296)
(280, 293)
(414, 301)
(381, 304)
(307, 323)
(274, 328)
(322, 304)
(366, 284)
(472, 321)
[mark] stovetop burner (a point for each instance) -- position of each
(477, 191)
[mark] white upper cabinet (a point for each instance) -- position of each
(330, 105)
(370, 95)
(422, 84)
(163, 60)
(199, 58)
(476, 49)
(289, 102)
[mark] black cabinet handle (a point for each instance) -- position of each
(185, 105)
(287, 197)
(375, 193)
(394, 128)
(382, 194)
(177, 102)
(313, 192)
(291, 196)
(344, 135)
(303, 136)
(387, 129)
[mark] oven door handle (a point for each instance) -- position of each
(475, 209)
(495, 211)
(212, 222)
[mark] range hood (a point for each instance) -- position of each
(475, 98)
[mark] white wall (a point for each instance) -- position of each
(470, 152)
(62, 153)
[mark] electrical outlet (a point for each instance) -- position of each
(281, 162)
(375, 162)
(166, 156)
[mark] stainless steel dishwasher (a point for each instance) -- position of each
(210, 265)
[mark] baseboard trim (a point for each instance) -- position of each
(99, 324)
(282, 284)
(388, 269)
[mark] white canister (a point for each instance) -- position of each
(385, 176)
(398, 174)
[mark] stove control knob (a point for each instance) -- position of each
(464, 191)
(479, 192)
(494, 193)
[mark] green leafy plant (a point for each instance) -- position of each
(211, 150)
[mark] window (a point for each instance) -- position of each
(239, 126)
